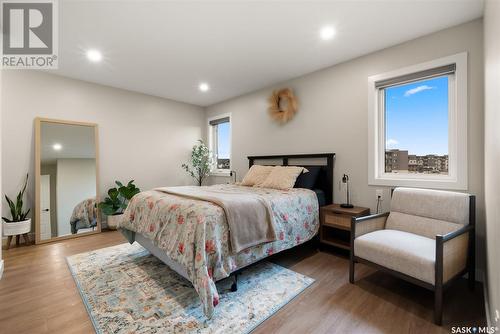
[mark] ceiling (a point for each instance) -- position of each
(166, 48)
(77, 142)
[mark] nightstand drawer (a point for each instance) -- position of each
(338, 220)
(335, 228)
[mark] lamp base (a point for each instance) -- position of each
(346, 206)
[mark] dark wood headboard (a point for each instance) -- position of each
(325, 177)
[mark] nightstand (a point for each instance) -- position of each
(335, 228)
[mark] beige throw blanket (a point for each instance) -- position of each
(249, 216)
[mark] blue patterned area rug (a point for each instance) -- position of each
(127, 290)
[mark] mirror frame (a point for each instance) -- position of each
(38, 122)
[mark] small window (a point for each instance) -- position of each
(418, 125)
(220, 143)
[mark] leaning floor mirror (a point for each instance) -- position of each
(66, 167)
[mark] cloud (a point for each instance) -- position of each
(418, 89)
(391, 143)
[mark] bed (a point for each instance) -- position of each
(84, 215)
(192, 236)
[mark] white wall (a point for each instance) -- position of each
(141, 137)
(492, 154)
(333, 113)
(1, 189)
(76, 180)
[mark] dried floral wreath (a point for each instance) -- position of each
(282, 105)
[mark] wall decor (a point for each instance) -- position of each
(282, 105)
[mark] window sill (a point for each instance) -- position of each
(448, 183)
(220, 173)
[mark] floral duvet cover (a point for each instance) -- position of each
(195, 234)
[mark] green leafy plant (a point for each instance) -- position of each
(201, 162)
(118, 198)
(16, 209)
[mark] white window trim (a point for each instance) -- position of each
(211, 143)
(457, 132)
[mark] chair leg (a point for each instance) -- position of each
(438, 305)
(351, 250)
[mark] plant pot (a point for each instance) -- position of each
(16, 228)
(113, 221)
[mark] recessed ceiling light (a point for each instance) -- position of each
(94, 55)
(57, 147)
(327, 32)
(204, 87)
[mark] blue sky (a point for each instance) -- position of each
(223, 140)
(417, 117)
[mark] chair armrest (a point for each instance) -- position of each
(454, 234)
(367, 224)
(453, 253)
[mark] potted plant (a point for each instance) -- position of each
(19, 223)
(201, 162)
(117, 201)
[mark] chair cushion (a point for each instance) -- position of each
(440, 205)
(426, 227)
(408, 253)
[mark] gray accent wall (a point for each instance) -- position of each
(333, 115)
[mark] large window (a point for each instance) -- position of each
(418, 125)
(220, 143)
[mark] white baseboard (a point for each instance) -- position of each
(491, 322)
(487, 305)
(1, 268)
(480, 276)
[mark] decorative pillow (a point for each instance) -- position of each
(308, 180)
(282, 177)
(257, 174)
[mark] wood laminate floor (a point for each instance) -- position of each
(38, 295)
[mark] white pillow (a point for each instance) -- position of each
(257, 174)
(282, 177)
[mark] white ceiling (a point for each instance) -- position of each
(78, 142)
(166, 48)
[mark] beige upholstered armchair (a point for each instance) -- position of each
(427, 238)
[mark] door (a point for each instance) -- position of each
(45, 230)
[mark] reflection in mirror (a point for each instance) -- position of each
(67, 181)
